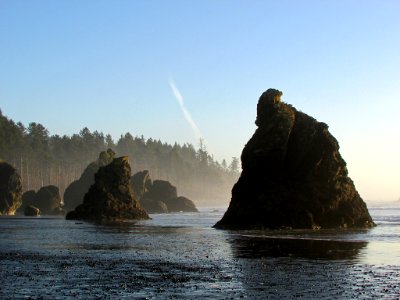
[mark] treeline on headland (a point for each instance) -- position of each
(43, 160)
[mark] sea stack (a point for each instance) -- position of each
(74, 193)
(160, 196)
(110, 198)
(293, 175)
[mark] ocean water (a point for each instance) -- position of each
(180, 255)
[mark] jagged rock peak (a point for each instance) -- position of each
(110, 198)
(74, 193)
(293, 175)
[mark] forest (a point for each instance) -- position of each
(44, 159)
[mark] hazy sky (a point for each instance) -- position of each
(165, 68)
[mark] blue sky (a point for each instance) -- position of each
(107, 65)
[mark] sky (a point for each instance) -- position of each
(177, 70)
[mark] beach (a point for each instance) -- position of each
(182, 256)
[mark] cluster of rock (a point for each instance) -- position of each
(110, 197)
(154, 197)
(46, 201)
(10, 189)
(159, 196)
(293, 175)
(105, 192)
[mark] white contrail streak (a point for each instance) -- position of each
(186, 114)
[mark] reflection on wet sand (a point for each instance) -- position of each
(279, 267)
(259, 247)
(181, 256)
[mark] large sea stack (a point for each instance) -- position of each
(74, 193)
(10, 189)
(292, 175)
(110, 198)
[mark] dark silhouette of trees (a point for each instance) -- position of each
(42, 159)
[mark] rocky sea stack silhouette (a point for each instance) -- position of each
(74, 193)
(110, 198)
(293, 175)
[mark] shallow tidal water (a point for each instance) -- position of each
(182, 256)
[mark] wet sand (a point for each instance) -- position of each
(58, 259)
(92, 276)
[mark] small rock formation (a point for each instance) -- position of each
(110, 198)
(141, 183)
(10, 189)
(154, 206)
(156, 198)
(74, 193)
(292, 175)
(31, 211)
(180, 204)
(28, 198)
(159, 196)
(162, 190)
(47, 200)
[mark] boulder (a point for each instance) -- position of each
(31, 211)
(160, 196)
(74, 193)
(28, 198)
(141, 183)
(162, 190)
(153, 206)
(10, 189)
(180, 204)
(293, 175)
(48, 200)
(110, 198)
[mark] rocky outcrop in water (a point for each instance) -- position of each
(159, 196)
(179, 204)
(31, 211)
(293, 175)
(47, 200)
(141, 183)
(10, 189)
(74, 193)
(110, 198)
